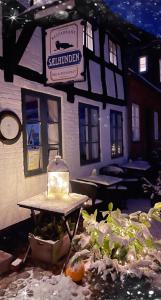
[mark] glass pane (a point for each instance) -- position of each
(113, 136)
(119, 132)
(34, 158)
(94, 117)
(52, 111)
(119, 120)
(115, 60)
(110, 45)
(94, 134)
(32, 109)
(89, 29)
(113, 122)
(53, 134)
(90, 43)
(33, 134)
(95, 151)
(83, 115)
(119, 148)
(84, 133)
(113, 149)
(84, 151)
(142, 64)
(111, 57)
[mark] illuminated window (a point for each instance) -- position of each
(142, 64)
(88, 36)
(89, 133)
(160, 70)
(42, 130)
(135, 122)
(116, 130)
(113, 52)
(156, 127)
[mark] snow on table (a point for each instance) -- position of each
(62, 205)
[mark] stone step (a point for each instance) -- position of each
(5, 261)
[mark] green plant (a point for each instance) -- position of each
(121, 236)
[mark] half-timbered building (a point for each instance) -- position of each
(85, 121)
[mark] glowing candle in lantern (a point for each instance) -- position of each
(58, 178)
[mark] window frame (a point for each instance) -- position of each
(139, 138)
(46, 147)
(116, 113)
(89, 142)
(114, 55)
(87, 36)
(146, 63)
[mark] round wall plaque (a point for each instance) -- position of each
(10, 127)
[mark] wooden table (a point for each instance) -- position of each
(103, 180)
(138, 168)
(140, 165)
(62, 206)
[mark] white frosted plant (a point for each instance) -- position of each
(122, 244)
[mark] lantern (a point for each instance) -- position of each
(58, 178)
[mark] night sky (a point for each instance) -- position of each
(145, 14)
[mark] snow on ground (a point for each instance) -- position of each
(45, 288)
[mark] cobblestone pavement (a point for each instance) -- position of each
(36, 283)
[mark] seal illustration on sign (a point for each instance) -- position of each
(63, 46)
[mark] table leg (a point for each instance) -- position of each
(71, 235)
(33, 217)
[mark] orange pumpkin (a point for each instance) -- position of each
(76, 272)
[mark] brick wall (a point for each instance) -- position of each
(149, 101)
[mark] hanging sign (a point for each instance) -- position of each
(64, 53)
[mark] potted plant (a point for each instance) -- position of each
(50, 242)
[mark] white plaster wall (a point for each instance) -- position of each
(32, 58)
(95, 75)
(110, 83)
(24, 2)
(83, 85)
(96, 43)
(120, 87)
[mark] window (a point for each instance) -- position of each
(143, 64)
(89, 135)
(156, 127)
(160, 70)
(42, 130)
(116, 133)
(113, 52)
(135, 123)
(88, 36)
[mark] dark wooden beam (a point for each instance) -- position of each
(23, 41)
(9, 39)
(29, 74)
(12, 50)
(1, 63)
